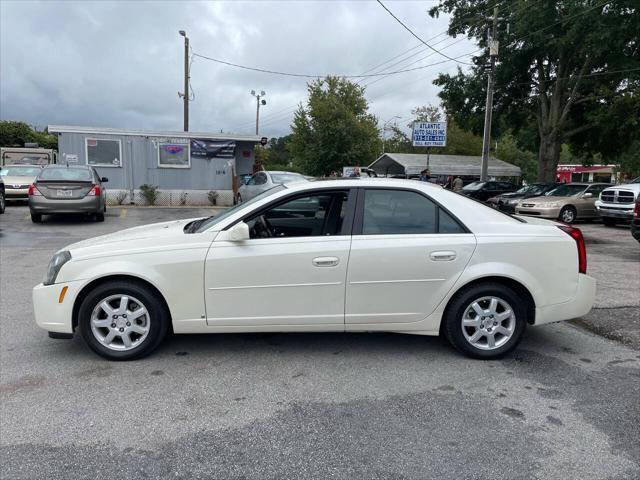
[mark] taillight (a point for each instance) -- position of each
(33, 191)
(636, 210)
(95, 191)
(576, 234)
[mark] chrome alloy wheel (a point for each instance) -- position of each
(488, 323)
(120, 322)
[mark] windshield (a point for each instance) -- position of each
(68, 174)
(473, 186)
(207, 223)
(286, 177)
(532, 189)
(20, 171)
(566, 190)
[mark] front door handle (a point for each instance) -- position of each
(443, 256)
(326, 261)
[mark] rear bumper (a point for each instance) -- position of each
(40, 204)
(51, 314)
(577, 307)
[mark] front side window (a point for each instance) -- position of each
(567, 190)
(596, 189)
(261, 179)
(173, 155)
(101, 152)
(320, 214)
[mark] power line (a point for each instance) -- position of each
(415, 35)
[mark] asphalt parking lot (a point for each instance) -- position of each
(565, 405)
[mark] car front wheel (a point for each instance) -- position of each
(123, 320)
(485, 321)
(568, 214)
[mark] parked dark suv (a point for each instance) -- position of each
(485, 190)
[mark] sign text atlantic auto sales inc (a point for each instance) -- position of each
(429, 134)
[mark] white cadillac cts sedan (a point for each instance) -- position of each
(354, 255)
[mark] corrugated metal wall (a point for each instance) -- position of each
(139, 164)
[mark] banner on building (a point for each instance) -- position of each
(212, 148)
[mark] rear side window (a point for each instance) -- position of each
(69, 174)
(401, 212)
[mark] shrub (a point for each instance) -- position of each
(212, 196)
(149, 193)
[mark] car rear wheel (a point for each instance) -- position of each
(36, 217)
(485, 321)
(123, 320)
(568, 214)
(100, 216)
(3, 202)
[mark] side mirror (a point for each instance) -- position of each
(104, 179)
(587, 195)
(238, 233)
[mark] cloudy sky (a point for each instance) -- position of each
(120, 63)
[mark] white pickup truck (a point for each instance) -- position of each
(616, 204)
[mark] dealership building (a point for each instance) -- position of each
(185, 166)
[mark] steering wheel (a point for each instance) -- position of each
(266, 228)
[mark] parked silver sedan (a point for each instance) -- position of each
(64, 189)
(17, 179)
(266, 180)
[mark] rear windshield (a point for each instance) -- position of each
(567, 190)
(286, 177)
(69, 174)
(20, 171)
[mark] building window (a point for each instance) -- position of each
(103, 153)
(174, 155)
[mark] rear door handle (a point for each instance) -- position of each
(326, 261)
(443, 256)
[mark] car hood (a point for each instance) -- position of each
(18, 180)
(545, 199)
(512, 195)
(154, 231)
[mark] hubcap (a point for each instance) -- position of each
(488, 323)
(567, 215)
(120, 322)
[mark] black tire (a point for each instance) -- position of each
(452, 327)
(99, 217)
(159, 318)
(36, 217)
(3, 202)
(568, 214)
(609, 222)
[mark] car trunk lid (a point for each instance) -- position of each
(64, 190)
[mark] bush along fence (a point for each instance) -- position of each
(149, 195)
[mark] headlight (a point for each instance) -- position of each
(513, 202)
(56, 263)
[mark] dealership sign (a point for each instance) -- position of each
(429, 134)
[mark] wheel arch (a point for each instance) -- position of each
(109, 278)
(511, 283)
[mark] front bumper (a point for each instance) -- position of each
(624, 212)
(40, 204)
(51, 314)
(579, 306)
(542, 212)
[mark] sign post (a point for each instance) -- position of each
(429, 134)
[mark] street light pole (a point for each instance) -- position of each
(185, 94)
(384, 130)
(258, 103)
(486, 138)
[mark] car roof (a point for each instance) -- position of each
(281, 171)
(361, 182)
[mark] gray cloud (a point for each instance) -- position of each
(119, 64)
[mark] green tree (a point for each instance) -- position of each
(16, 134)
(564, 67)
(509, 152)
(334, 129)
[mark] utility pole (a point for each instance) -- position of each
(486, 138)
(384, 131)
(185, 95)
(258, 103)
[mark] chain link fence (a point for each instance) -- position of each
(172, 198)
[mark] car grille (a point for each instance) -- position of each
(529, 205)
(617, 196)
(12, 186)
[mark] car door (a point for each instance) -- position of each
(292, 274)
(587, 206)
(406, 254)
(489, 190)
